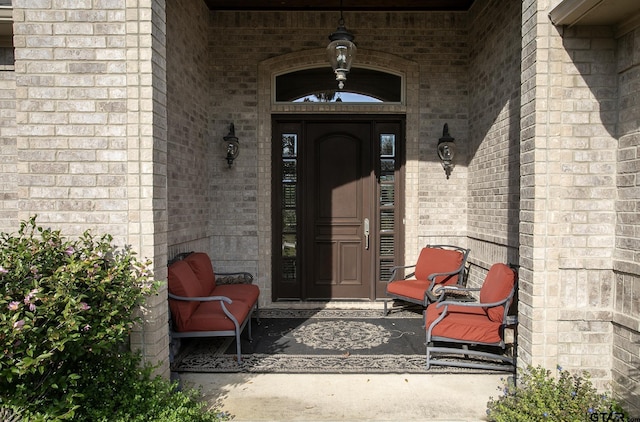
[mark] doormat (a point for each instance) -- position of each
(321, 341)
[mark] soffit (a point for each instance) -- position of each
(619, 13)
(347, 5)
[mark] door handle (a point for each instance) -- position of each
(366, 233)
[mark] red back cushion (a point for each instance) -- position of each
(498, 285)
(183, 282)
(436, 260)
(202, 267)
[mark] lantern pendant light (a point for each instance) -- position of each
(341, 51)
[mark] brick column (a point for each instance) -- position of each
(568, 193)
(8, 149)
(90, 98)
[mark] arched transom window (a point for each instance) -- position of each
(319, 85)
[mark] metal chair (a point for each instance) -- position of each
(474, 329)
(436, 265)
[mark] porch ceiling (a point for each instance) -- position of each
(356, 5)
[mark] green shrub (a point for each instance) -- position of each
(123, 390)
(539, 395)
(66, 311)
(61, 302)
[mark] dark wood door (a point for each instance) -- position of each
(336, 215)
(339, 186)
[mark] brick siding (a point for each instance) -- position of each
(8, 147)
(89, 135)
(494, 101)
(626, 306)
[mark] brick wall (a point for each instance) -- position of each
(528, 166)
(430, 47)
(568, 188)
(8, 146)
(579, 129)
(626, 307)
(91, 131)
(493, 144)
(8, 150)
(581, 174)
(72, 112)
(193, 143)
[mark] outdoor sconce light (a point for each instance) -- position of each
(341, 51)
(231, 145)
(446, 150)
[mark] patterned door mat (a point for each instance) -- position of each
(327, 341)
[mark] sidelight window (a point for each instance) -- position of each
(387, 204)
(289, 157)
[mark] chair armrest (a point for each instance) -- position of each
(395, 269)
(221, 299)
(234, 278)
(461, 294)
(201, 298)
(471, 304)
(460, 288)
(433, 276)
(441, 293)
(429, 293)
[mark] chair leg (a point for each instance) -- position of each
(238, 346)
(385, 308)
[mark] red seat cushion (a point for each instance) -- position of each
(210, 317)
(182, 281)
(409, 288)
(247, 293)
(463, 323)
(497, 286)
(436, 260)
(203, 268)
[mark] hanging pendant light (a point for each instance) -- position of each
(341, 51)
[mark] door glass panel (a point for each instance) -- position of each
(387, 195)
(289, 195)
(289, 173)
(385, 269)
(289, 245)
(288, 269)
(387, 246)
(387, 170)
(289, 157)
(387, 205)
(289, 223)
(386, 220)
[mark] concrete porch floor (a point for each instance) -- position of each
(348, 397)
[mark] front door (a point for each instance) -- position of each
(335, 205)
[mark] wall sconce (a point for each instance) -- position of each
(446, 150)
(341, 51)
(231, 145)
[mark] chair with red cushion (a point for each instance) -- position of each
(437, 265)
(474, 329)
(201, 305)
